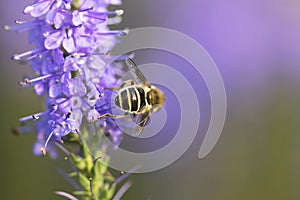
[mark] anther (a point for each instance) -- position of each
(119, 12)
(32, 117)
(22, 129)
(30, 82)
(68, 114)
(107, 53)
(6, 28)
(54, 106)
(28, 54)
(46, 34)
(15, 131)
(43, 150)
(35, 117)
(22, 26)
(18, 22)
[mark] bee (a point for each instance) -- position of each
(139, 100)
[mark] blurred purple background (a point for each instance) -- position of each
(255, 44)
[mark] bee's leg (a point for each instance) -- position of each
(112, 116)
(126, 83)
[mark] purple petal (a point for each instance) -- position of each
(50, 16)
(69, 45)
(71, 64)
(62, 18)
(75, 87)
(55, 89)
(87, 4)
(93, 94)
(75, 103)
(84, 42)
(76, 20)
(58, 57)
(75, 119)
(50, 149)
(64, 104)
(38, 9)
(54, 40)
(39, 89)
(92, 115)
(58, 19)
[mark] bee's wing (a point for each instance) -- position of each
(138, 75)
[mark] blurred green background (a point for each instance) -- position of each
(256, 45)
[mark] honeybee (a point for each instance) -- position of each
(139, 100)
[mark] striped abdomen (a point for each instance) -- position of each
(131, 99)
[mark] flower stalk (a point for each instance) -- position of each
(72, 44)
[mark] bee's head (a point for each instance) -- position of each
(156, 98)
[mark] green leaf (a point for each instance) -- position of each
(84, 181)
(72, 174)
(88, 160)
(109, 178)
(71, 137)
(78, 162)
(82, 193)
(108, 191)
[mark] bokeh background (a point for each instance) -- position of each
(255, 44)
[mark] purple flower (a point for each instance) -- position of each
(71, 72)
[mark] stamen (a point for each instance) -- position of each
(70, 180)
(68, 115)
(96, 15)
(115, 12)
(88, 9)
(29, 82)
(32, 117)
(66, 151)
(35, 56)
(19, 130)
(95, 54)
(95, 160)
(124, 175)
(67, 195)
(91, 188)
(119, 33)
(43, 149)
(102, 106)
(122, 190)
(119, 12)
(24, 83)
(22, 26)
(28, 53)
